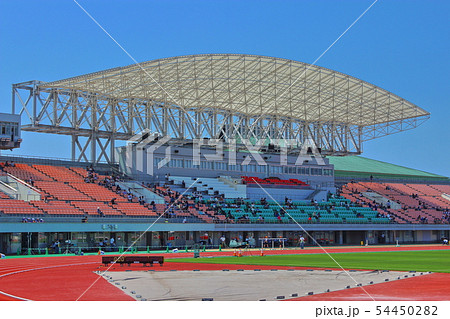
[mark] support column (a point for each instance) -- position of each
(74, 141)
(93, 147)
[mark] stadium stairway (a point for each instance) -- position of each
(138, 190)
(210, 186)
(15, 188)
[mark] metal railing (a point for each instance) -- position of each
(116, 249)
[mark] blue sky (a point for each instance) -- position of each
(401, 46)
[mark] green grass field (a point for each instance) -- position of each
(435, 261)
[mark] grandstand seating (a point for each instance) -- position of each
(61, 191)
(57, 208)
(441, 188)
(134, 209)
(3, 195)
(96, 192)
(336, 210)
(67, 193)
(26, 172)
(12, 206)
(419, 202)
(80, 171)
(91, 208)
(59, 173)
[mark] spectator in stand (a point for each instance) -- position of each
(289, 203)
(279, 219)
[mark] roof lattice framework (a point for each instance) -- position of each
(250, 85)
(233, 97)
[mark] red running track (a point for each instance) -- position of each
(432, 287)
(71, 278)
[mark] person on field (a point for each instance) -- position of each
(223, 243)
(302, 242)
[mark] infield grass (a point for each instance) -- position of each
(434, 261)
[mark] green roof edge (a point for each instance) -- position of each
(413, 173)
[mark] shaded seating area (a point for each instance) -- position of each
(337, 210)
(68, 191)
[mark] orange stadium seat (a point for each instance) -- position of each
(97, 192)
(25, 172)
(3, 195)
(12, 206)
(134, 209)
(57, 208)
(91, 208)
(59, 173)
(61, 191)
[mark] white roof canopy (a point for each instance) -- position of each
(250, 85)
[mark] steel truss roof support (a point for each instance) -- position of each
(225, 96)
